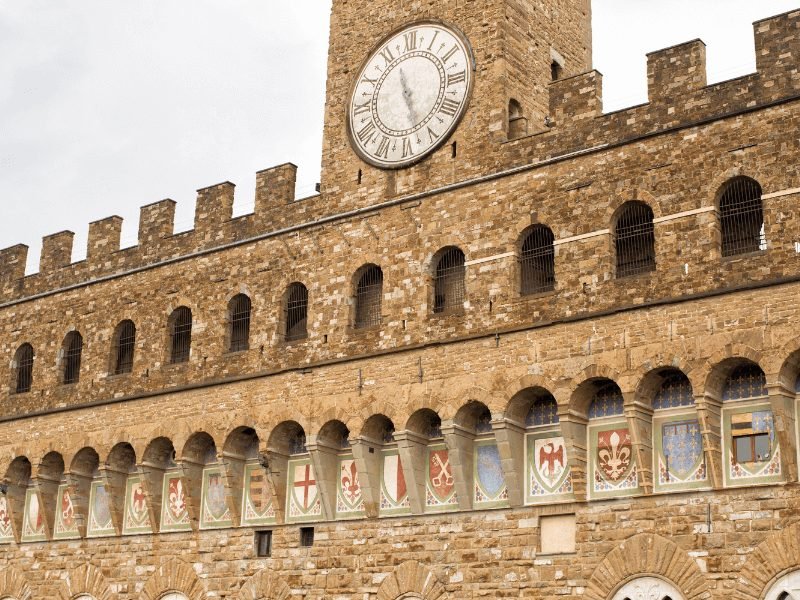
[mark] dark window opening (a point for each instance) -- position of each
(742, 217)
(449, 287)
(537, 262)
(306, 537)
(263, 543)
(634, 238)
(73, 348)
(180, 335)
(296, 312)
(24, 365)
(239, 317)
(369, 296)
(556, 71)
(124, 345)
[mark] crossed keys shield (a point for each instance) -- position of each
(441, 473)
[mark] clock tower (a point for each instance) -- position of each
(422, 94)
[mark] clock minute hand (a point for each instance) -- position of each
(407, 93)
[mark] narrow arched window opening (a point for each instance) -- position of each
(556, 71)
(296, 312)
(239, 310)
(537, 262)
(634, 240)
(180, 335)
(369, 296)
(73, 349)
(517, 123)
(24, 369)
(449, 286)
(124, 346)
(741, 217)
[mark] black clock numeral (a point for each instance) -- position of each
(365, 133)
(449, 54)
(383, 148)
(454, 78)
(365, 79)
(435, 35)
(360, 109)
(432, 135)
(411, 41)
(407, 149)
(387, 55)
(449, 107)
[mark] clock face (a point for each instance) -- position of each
(410, 95)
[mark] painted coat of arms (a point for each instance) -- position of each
(66, 525)
(490, 485)
(33, 522)
(349, 498)
(257, 498)
(681, 456)
(303, 497)
(174, 510)
(137, 518)
(394, 494)
(441, 483)
(614, 465)
(6, 531)
(548, 467)
(215, 511)
(100, 524)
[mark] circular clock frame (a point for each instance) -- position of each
(433, 109)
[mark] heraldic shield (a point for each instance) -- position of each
(549, 468)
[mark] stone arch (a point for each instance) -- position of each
(647, 554)
(173, 576)
(776, 556)
(86, 579)
(264, 585)
(13, 583)
(411, 578)
(632, 195)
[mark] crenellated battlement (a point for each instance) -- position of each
(679, 96)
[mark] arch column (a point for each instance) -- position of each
(640, 424)
(153, 482)
(277, 476)
(461, 449)
(368, 455)
(411, 447)
(233, 475)
(115, 482)
(79, 489)
(709, 415)
(783, 405)
(325, 459)
(510, 437)
(573, 428)
(192, 476)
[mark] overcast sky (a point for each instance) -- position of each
(106, 105)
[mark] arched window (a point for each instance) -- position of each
(741, 217)
(607, 401)
(543, 411)
(786, 588)
(537, 262)
(239, 309)
(675, 391)
(517, 123)
(369, 295)
(124, 346)
(73, 349)
(448, 283)
(745, 381)
(296, 312)
(180, 333)
(23, 364)
(648, 588)
(634, 240)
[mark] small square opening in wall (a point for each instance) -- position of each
(557, 534)
(263, 543)
(306, 537)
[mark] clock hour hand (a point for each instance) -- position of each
(407, 93)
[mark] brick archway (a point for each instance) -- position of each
(86, 579)
(14, 585)
(774, 557)
(264, 585)
(647, 554)
(173, 576)
(411, 580)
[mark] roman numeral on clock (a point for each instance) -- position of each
(411, 41)
(449, 54)
(383, 148)
(449, 107)
(365, 133)
(360, 109)
(407, 149)
(455, 78)
(387, 55)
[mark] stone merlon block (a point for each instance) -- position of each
(214, 206)
(576, 98)
(56, 251)
(156, 222)
(12, 262)
(104, 238)
(676, 71)
(777, 42)
(275, 187)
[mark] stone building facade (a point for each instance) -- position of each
(557, 356)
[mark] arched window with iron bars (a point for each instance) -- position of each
(124, 347)
(239, 309)
(73, 350)
(634, 240)
(369, 297)
(180, 334)
(741, 216)
(448, 283)
(537, 261)
(295, 309)
(23, 365)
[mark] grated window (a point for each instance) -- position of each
(180, 335)
(239, 310)
(675, 391)
(449, 288)
(124, 345)
(73, 348)
(537, 262)
(634, 239)
(369, 296)
(296, 312)
(746, 381)
(544, 411)
(742, 217)
(24, 363)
